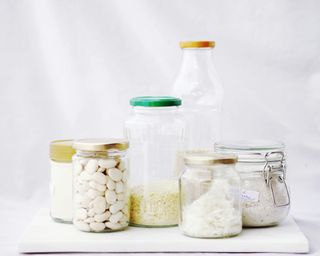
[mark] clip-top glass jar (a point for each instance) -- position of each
(210, 196)
(262, 167)
(155, 132)
(61, 153)
(100, 185)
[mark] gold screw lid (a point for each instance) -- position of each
(208, 158)
(61, 150)
(100, 144)
(197, 44)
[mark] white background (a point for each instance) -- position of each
(68, 69)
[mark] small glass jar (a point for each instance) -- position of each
(210, 200)
(61, 153)
(262, 167)
(155, 132)
(100, 185)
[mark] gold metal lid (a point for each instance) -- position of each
(61, 150)
(100, 144)
(197, 44)
(208, 158)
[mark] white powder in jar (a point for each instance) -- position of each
(214, 214)
(259, 210)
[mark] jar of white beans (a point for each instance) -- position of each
(100, 190)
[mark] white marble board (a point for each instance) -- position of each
(45, 235)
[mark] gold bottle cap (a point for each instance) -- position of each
(61, 150)
(100, 144)
(197, 44)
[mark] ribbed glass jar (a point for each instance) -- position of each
(155, 132)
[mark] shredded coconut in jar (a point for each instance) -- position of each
(214, 214)
(259, 210)
(155, 205)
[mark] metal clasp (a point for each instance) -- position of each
(269, 168)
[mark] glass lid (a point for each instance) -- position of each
(253, 151)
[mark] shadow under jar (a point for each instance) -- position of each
(262, 168)
(210, 203)
(100, 185)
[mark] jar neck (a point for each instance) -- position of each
(152, 110)
(102, 154)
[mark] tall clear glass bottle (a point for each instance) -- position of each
(200, 88)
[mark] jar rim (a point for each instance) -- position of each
(208, 158)
(101, 145)
(257, 151)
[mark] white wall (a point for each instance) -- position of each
(68, 69)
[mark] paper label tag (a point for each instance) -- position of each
(250, 196)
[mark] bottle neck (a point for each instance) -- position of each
(197, 60)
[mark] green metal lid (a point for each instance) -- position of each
(155, 101)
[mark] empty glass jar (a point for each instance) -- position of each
(156, 133)
(262, 167)
(210, 196)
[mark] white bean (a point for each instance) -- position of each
(107, 163)
(114, 218)
(80, 214)
(91, 213)
(111, 196)
(102, 217)
(113, 226)
(82, 225)
(115, 174)
(99, 178)
(77, 167)
(120, 196)
(89, 220)
(91, 166)
(125, 176)
(82, 200)
(97, 186)
(117, 206)
(84, 176)
(97, 226)
(92, 193)
(99, 205)
(119, 187)
(111, 184)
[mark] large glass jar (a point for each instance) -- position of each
(156, 133)
(262, 167)
(200, 88)
(100, 185)
(61, 153)
(210, 196)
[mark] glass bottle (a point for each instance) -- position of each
(200, 88)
